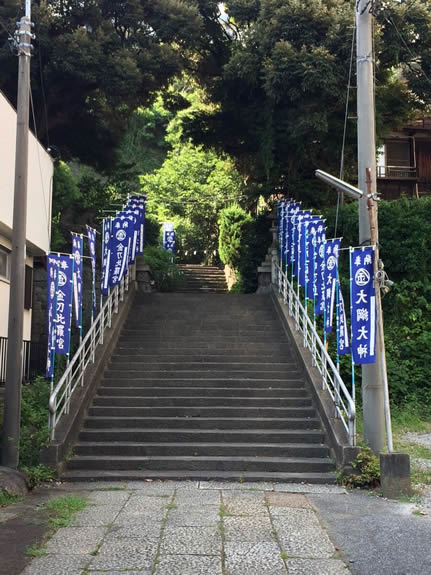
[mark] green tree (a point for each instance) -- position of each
(96, 62)
(281, 93)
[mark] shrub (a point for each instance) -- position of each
(366, 469)
(232, 223)
(165, 273)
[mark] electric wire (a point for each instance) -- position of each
(345, 126)
(414, 56)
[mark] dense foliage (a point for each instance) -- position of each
(243, 244)
(164, 270)
(405, 248)
(233, 221)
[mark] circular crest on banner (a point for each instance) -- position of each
(331, 263)
(322, 250)
(106, 237)
(362, 277)
(120, 235)
(77, 258)
(62, 279)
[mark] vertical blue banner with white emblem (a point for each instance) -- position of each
(319, 270)
(63, 305)
(121, 238)
(52, 267)
(292, 210)
(343, 345)
(106, 255)
(91, 236)
(301, 238)
(363, 305)
(296, 230)
(138, 202)
(77, 253)
(169, 241)
(332, 252)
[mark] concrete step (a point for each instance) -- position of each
(78, 475)
(215, 374)
(123, 355)
(200, 449)
(204, 347)
(174, 401)
(292, 384)
(120, 418)
(160, 434)
(233, 367)
(187, 463)
(164, 391)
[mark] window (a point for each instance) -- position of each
(28, 293)
(398, 153)
(4, 263)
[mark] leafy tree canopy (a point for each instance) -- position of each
(97, 61)
(281, 94)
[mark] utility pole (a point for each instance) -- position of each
(14, 366)
(372, 382)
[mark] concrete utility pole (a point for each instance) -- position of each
(372, 383)
(14, 366)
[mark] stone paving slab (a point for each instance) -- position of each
(126, 554)
(5, 516)
(316, 567)
(257, 558)
(277, 500)
(57, 565)
(189, 565)
(96, 515)
(300, 534)
(190, 541)
(111, 498)
(147, 530)
(248, 529)
(193, 517)
(75, 540)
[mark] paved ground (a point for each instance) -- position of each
(189, 528)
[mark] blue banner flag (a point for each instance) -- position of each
(296, 226)
(310, 246)
(343, 345)
(280, 226)
(91, 236)
(106, 255)
(363, 305)
(169, 241)
(63, 305)
(77, 253)
(52, 267)
(291, 211)
(332, 252)
(319, 270)
(133, 216)
(122, 230)
(301, 245)
(138, 202)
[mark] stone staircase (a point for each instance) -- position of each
(202, 386)
(201, 278)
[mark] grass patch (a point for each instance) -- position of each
(284, 556)
(38, 474)
(6, 499)
(171, 506)
(35, 550)
(63, 510)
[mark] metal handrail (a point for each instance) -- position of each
(60, 398)
(331, 380)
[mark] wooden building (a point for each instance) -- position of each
(404, 162)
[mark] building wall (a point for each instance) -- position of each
(40, 173)
(4, 299)
(39, 194)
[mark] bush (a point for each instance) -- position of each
(232, 222)
(366, 469)
(165, 273)
(34, 434)
(151, 231)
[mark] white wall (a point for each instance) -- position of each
(40, 172)
(4, 299)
